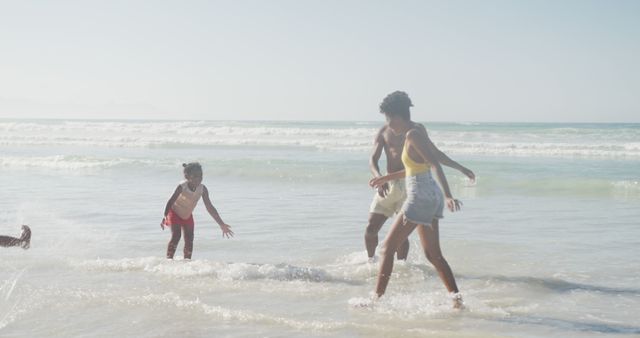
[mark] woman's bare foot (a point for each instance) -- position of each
(458, 303)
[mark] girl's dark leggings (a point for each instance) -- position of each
(176, 231)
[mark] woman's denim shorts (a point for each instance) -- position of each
(425, 201)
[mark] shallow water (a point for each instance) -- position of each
(546, 244)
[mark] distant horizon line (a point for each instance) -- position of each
(288, 120)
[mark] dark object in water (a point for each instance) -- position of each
(24, 241)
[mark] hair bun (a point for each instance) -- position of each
(184, 165)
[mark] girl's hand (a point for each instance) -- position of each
(226, 230)
(378, 182)
(163, 222)
(453, 204)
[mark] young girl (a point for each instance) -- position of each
(177, 213)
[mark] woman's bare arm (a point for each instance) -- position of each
(446, 160)
(418, 140)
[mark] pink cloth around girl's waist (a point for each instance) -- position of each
(174, 219)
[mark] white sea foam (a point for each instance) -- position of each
(54, 296)
(432, 305)
(206, 268)
(301, 171)
(562, 142)
(627, 185)
(626, 188)
(408, 303)
(65, 162)
(172, 299)
(556, 149)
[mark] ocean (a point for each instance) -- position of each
(546, 244)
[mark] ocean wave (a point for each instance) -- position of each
(628, 186)
(399, 308)
(183, 129)
(472, 139)
(574, 325)
(629, 150)
(173, 300)
(329, 143)
(306, 171)
(490, 298)
(63, 162)
(555, 285)
(206, 268)
(59, 297)
(522, 149)
(574, 187)
(280, 170)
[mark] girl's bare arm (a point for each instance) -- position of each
(226, 229)
(170, 202)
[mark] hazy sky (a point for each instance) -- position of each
(535, 60)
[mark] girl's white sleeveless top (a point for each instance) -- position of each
(186, 202)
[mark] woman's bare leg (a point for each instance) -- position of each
(399, 233)
(430, 240)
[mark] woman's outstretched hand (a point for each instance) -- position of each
(226, 230)
(469, 174)
(453, 204)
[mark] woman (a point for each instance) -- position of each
(424, 204)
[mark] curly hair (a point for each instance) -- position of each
(192, 167)
(397, 103)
